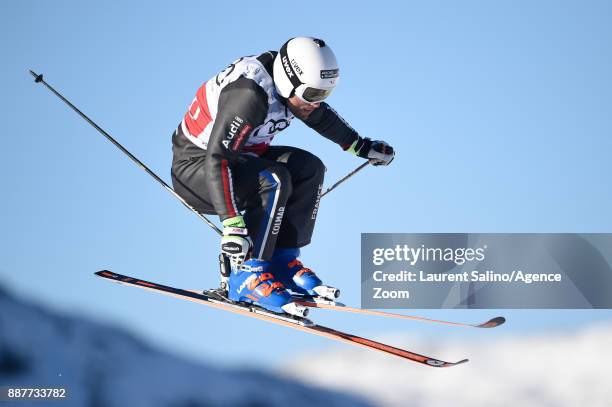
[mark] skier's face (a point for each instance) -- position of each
(299, 108)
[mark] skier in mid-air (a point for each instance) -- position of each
(223, 164)
(266, 196)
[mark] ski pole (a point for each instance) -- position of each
(347, 176)
(39, 79)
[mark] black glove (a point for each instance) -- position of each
(378, 152)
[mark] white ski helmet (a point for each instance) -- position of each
(306, 66)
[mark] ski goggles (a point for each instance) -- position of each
(312, 95)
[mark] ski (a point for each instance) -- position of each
(213, 299)
(318, 302)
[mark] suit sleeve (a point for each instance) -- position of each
(327, 122)
(242, 107)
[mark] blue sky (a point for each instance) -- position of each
(500, 113)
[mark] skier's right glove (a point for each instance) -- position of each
(235, 243)
(378, 152)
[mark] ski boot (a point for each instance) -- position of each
(254, 283)
(299, 279)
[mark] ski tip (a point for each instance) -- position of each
(441, 363)
(497, 321)
(105, 273)
(460, 362)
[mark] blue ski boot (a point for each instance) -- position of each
(297, 278)
(254, 283)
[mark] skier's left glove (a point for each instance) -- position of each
(236, 243)
(378, 152)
